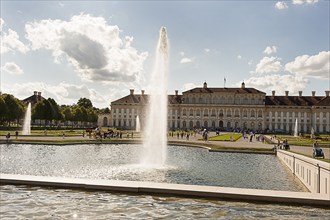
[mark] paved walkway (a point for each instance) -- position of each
(241, 143)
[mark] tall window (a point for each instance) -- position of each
(206, 124)
(198, 112)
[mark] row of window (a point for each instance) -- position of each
(223, 100)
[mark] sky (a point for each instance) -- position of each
(101, 49)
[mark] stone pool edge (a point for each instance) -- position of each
(168, 189)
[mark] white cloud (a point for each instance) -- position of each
(206, 50)
(317, 66)
(270, 49)
(307, 2)
(268, 65)
(10, 41)
(93, 47)
(63, 93)
(12, 68)
(188, 86)
(239, 57)
(185, 60)
(281, 5)
(250, 62)
(279, 83)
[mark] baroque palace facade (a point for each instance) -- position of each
(227, 109)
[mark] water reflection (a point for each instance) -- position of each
(121, 162)
(21, 202)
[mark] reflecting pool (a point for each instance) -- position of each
(21, 202)
(185, 165)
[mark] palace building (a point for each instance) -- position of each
(228, 109)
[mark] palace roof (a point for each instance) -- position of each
(227, 90)
(36, 97)
(297, 101)
(143, 99)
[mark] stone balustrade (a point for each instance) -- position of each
(313, 173)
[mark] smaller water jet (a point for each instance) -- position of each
(27, 121)
(296, 128)
(138, 125)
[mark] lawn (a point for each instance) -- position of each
(323, 140)
(226, 137)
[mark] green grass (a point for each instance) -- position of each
(226, 137)
(305, 141)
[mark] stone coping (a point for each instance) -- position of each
(167, 189)
(226, 149)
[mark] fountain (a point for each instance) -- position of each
(155, 143)
(296, 128)
(27, 121)
(185, 165)
(138, 126)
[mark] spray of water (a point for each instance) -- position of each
(155, 140)
(138, 125)
(27, 121)
(296, 128)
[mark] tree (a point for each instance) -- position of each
(15, 108)
(47, 110)
(3, 109)
(67, 113)
(84, 102)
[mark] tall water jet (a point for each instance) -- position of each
(296, 128)
(155, 139)
(27, 121)
(137, 124)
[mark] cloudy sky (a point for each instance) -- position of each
(101, 49)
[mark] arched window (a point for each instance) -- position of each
(191, 124)
(191, 112)
(252, 113)
(244, 113)
(221, 113)
(206, 112)
(236, 113)
(105, 121)
(198, 112)
(228, 113)
(184, 124)
(213, 112)
(198, 124)
(213, 124)
(206, 124)
(221, 124)
(228, 124)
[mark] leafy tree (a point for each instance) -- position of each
(15, 108)
(47, 110)
(3, 109)
(84, 102)
(67, 113)
(38, 111)
(92, 116)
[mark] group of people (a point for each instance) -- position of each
(111, 134)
